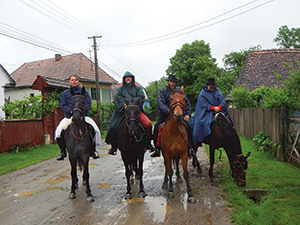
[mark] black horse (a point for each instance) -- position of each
(132, 144)
(78, 137)
(224, 135)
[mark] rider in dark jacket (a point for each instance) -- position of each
(163, 103)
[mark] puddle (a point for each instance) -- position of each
(158, 207)
(104, 185)
(56, 180)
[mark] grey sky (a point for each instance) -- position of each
(224, 24)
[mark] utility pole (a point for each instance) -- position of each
(97, 79)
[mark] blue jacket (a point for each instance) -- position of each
(66, 97)
(164, 102)
(202, 117)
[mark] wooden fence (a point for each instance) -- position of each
(250, 121)
(20, 133)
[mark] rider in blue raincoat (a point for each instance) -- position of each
(210, 101)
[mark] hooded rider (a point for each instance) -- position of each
(129, 91)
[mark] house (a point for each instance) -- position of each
(261, 67)
(5, 81)
(115, 86)
(56, 71)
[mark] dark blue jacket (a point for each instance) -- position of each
(164, 101)
(66, 97)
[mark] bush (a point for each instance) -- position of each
(263, 143)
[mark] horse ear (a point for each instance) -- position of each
(248, 154)
(182, 89)
(83, 90)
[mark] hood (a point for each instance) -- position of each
(128, 74)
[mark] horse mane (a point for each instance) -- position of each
(229, 133)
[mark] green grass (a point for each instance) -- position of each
(11, 161)
(281, 204)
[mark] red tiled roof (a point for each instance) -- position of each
(62, 69)
(261, 67)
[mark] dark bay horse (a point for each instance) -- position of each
(78, 138)
(224, 135)
(174, 142)
(132, 144)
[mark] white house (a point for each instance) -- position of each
(5, 81)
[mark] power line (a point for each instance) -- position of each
(165, 37)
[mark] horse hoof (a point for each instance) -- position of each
(72, 195)
(191, 200)
(84, 182)
(171, 195)
(128, 196)
(199, 170)
(142, 194)
(90, 199)
(212, 179)
(164, 186)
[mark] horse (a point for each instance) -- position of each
(78, 138)
(224, 135)
(174, 142)
(132, 144)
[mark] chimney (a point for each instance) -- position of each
(57, 57)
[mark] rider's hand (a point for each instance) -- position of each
(217, 109)
(125, 106)
(187, 117)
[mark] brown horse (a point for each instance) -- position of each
(174, 142)
(224, 135)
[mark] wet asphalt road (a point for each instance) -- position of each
(39, 195)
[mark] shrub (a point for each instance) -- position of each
(262, 142)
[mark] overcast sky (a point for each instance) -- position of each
(137, 36)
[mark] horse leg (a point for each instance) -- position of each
(195, 161)
(141, 193)
(169, 171)
(212, 161)
(165, 183)
(74, 185)
(128, 173)
(86, 178)
(184, 162)
(177, 169)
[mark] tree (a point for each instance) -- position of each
(288, 38)
(152, 91)
(193, 65)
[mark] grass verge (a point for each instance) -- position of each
(11, 161)
(280, 204)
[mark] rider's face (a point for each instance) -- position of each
(210, 87)
(74, 81)
(171, 83)
(128, 80)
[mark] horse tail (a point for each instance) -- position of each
(80, 164)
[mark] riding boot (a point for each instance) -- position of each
(93, 153)
(62, 146)
(156, 153)
(113, 149)
(149, 138)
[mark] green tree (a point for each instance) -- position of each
(193, 65)
(152, 91)
(288, 38)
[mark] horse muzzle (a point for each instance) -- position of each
(178, 118)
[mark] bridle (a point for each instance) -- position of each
(177, 103)
(235, 165)
(135, 119)
(81, 111)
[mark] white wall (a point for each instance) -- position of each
(19, 94)
(3, 80)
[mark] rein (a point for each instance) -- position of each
(81, 137)
(234, 165)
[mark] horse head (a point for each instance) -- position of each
(238, 169)
(132, 114)
(78, 105)
(177, 103)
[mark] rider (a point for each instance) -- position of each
(65, 105)
(129, 91)
(210, 101)
(163, 103)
